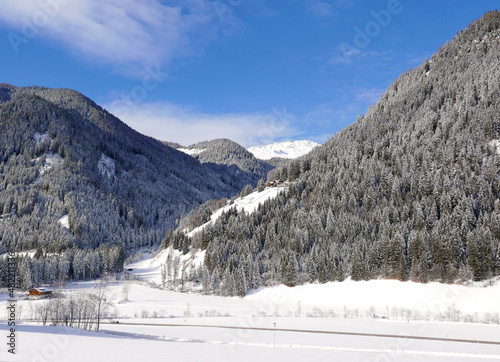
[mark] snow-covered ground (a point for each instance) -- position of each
(30, 253)
(183, 343)
(192, 151)
(51, 160)
(495, 144)
(377, 339)
(313, 322)
(288, 149)
(40, 138)
(378, 320)
(149, 268)
(64, 221)
(380, 298)
(106, 166)
(384, 298)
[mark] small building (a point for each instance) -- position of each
(39, 293)
(275, 183)
(279, 183)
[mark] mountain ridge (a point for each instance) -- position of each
(409, 191)
(222, 153)
(286, 149)
(63, 157)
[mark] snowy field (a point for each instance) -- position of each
(382, 320)
(378, 320)
(184, 343)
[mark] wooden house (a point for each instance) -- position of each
(279, 183)
(38, 293)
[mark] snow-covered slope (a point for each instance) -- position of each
(40, 138)
(106, 166)
(288, 149)
(192, 151)
(248, 204)
(64, 221)
(149, 268)
(495, 144)
(51, 160)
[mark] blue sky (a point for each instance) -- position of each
(255, 71)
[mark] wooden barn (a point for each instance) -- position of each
(38, 293)
(278, 183)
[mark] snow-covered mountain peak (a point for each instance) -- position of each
(288, 149)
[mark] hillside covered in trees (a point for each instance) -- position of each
(79, 187)
(409, 191)
(226, 157)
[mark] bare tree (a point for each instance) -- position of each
(100, 294)
(125, 290)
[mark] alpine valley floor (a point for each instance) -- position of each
(380, 320)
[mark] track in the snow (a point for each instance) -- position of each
(356, 334)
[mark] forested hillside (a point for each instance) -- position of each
(224, 156)
(409, 191)
(80, 187)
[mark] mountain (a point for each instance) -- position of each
(288, 149)
(410, 191)
(227, 157)
(80, 187)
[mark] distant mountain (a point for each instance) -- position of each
(288, 149)
(79, 183)
(410, 191)
(226, 157)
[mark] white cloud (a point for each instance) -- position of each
(127, 34)
(344, 54)
(320, 8)
(347, 54)
(184, 125)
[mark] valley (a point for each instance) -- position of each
(204, 224)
